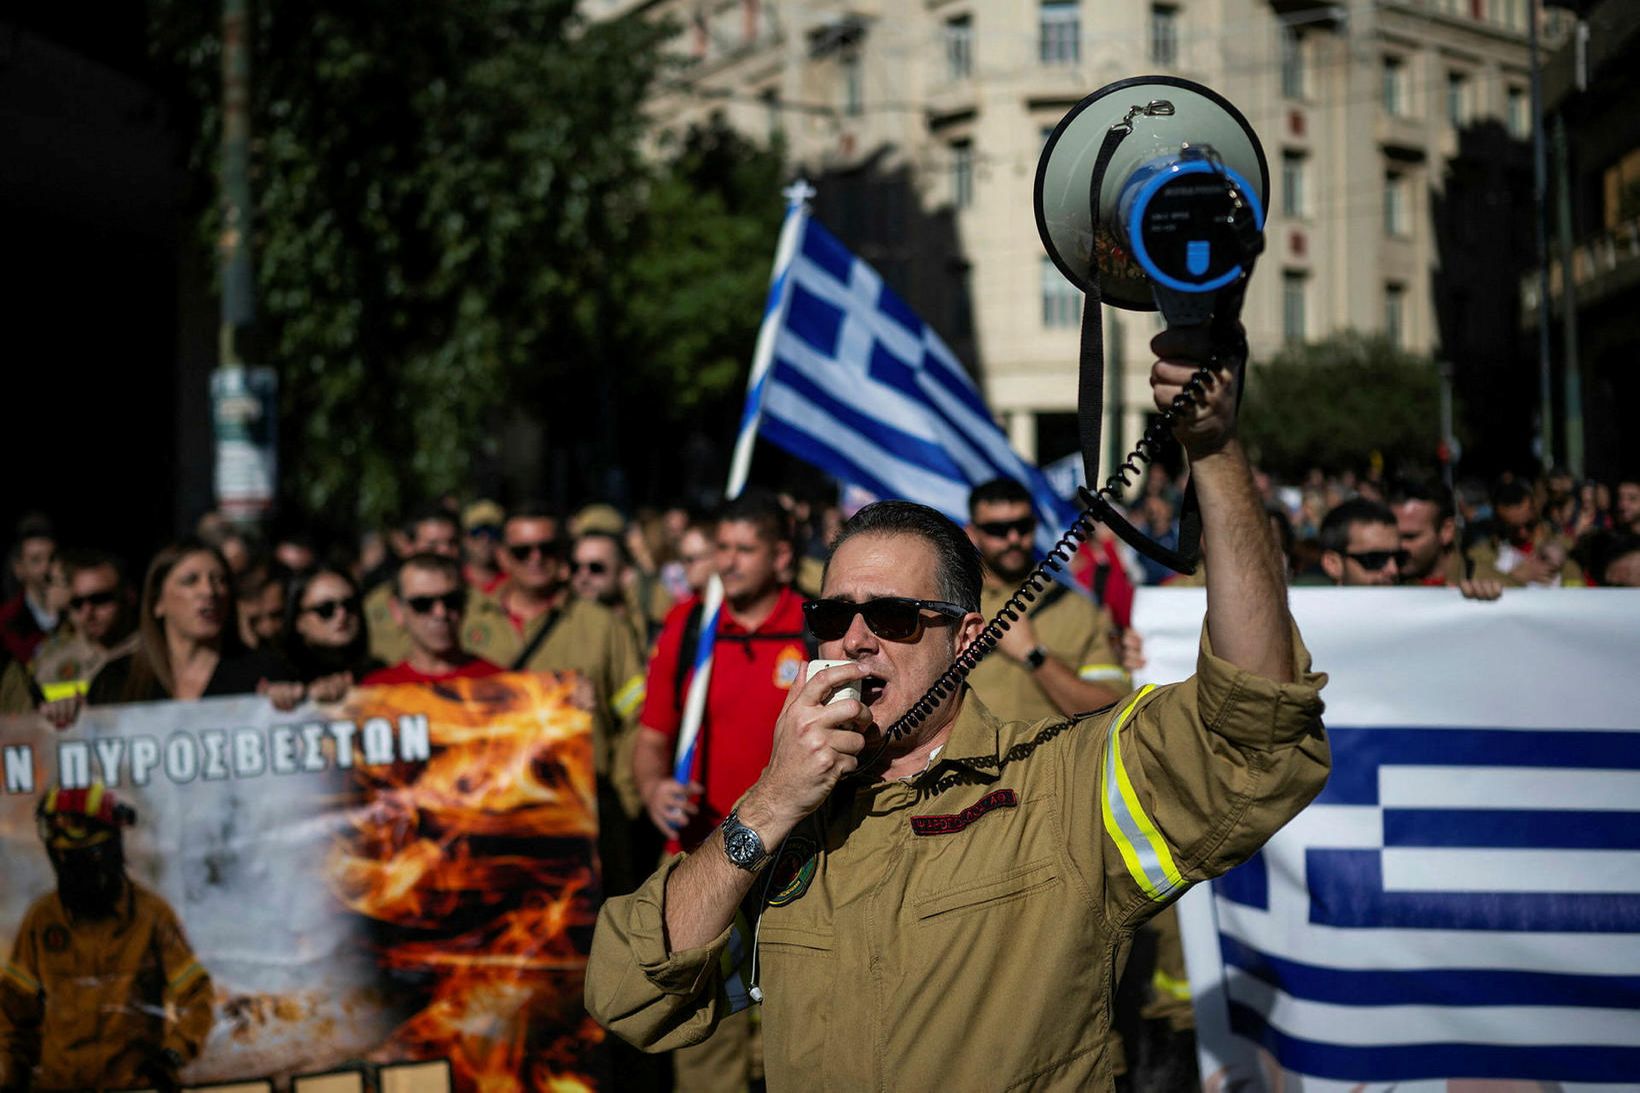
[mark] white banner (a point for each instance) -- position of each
(1462, 902)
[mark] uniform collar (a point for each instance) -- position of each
(975, 743)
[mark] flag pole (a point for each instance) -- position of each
(791, 230)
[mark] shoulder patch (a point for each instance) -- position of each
(794, 870)
(787, 665)
(55, 939)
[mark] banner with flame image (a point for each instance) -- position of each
(395, 892)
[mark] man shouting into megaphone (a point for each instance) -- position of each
(946, 909)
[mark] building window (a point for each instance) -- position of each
(853, 85)
(1061, 28)
(1519, 113)
(1395, 87)
(1292, 64)
(1294, 288)
(1395, 302)
(1164, 34)
(771, 111)
(959, 48)
(962, 174)
(1458, 100)
(1395, 204)
(1292, 185)
(1061, 301)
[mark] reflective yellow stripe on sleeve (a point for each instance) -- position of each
(1142, 847)
(19, 977)
(629, 697)
(1098, 673)
(187, 975)
(1162, 983)
(67, 689)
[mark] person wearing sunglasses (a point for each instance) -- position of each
(101, 621)
(947, 908)
(429, 602)
(534, 623)
(601, 572)
(760, 650)
(1058, 658)
(324, 632)
(1361, 545)
(431, 529)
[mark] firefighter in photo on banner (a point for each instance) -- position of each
(102, 990)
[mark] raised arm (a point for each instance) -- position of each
(1247, 617)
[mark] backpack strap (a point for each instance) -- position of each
(537, 641)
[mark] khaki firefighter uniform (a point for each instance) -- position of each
(388, 641)
(591, 639)
(961, 929)
(1073, 629)
(90, 1001)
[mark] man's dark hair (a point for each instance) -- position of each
(1510, 491)
(1335, 528)
(257, 580)
(82, 558)
(762, 510)
(533, 510)
(431, 512)
(1421, 488)
(958, 572)
(996, 491)
(428, 561)
(621, 554)
(34, 525)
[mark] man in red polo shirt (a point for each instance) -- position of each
(429, 600)
(759, 654)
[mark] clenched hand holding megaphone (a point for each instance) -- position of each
(1150, 194)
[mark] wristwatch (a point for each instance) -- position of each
(1036, 658)
(743, 845)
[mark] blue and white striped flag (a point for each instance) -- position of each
(1462, 901)
(865, 390)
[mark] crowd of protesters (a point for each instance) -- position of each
(469, 591)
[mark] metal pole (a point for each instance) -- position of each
(234, 244)
(1572, 378)
(1540, 173)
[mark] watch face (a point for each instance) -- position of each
(742, 845)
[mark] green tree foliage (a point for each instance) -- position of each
(1330, 403)
(443, 193)
(695, 288)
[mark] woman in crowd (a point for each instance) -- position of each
(325, 638)
(188, 642)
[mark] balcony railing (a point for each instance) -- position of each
(1601, 265)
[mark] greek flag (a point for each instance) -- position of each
(865, 390)
(1462, 901)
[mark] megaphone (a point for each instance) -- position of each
(1176, 212)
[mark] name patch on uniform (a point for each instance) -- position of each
(950, 825)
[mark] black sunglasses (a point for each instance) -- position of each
(999, 529)
(454, 603)
(547, 548)
(1374, 560)
(895, 618)
(326, 609)
(597, 569)
(93, 599)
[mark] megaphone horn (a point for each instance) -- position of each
(1181, 200)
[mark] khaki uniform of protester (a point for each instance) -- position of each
(89, 1002)
(1073, 629)
(17, 691)
(963, 927)
(388, 641)
(1486, 557)
(590, 639)
(1169, 985)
